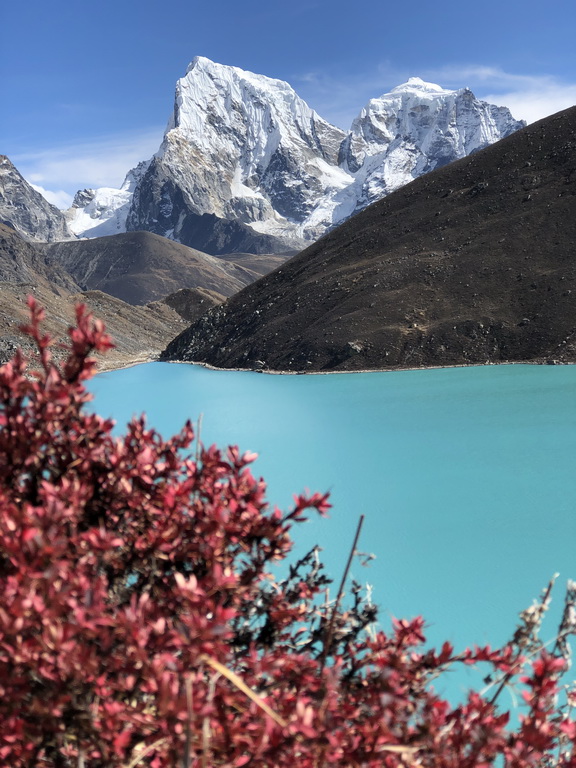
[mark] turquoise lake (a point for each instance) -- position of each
(466, 476)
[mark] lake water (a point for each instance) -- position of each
(466, 476)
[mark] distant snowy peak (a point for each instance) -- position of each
(415, 128)
(418, 86)
(103, 211)
(416, 110)
(244, 147)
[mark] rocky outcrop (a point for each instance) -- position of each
(192, 303)
(161, 206)
(26, 210)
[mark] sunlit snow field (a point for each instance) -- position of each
(466, 476)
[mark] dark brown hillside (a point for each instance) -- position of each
(21, 262)
(139, 267)
(472, 263)
(191, 303)
(139, 332)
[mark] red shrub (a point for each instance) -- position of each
(138, 618)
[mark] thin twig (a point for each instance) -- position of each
(189, 721)
(241, 685)
(198, 438)
(150, 748)
(206, 723)
(512, 672)
(330, 630)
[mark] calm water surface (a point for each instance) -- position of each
(466, 475)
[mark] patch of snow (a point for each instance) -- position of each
(105, 210)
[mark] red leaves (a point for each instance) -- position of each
(316, 501)
(139, 621)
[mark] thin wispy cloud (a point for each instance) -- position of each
(100, 162)
(58, 197)
(534, 105)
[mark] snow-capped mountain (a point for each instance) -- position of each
(244, 156)
(416, 128)
(242, 147)
(26, 210)
(103, 211)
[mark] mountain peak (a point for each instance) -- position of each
(226, 77)
(199, 61)
(416, 84)
(201, 64)
(245, 147)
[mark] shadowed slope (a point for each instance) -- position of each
(472, 263)
(191, 303)
(139, 267)
(139, 332)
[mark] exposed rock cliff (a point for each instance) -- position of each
(26, 210)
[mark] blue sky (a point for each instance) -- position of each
(87, 88)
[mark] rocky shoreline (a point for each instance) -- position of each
(270, 372)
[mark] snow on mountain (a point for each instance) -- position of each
(243, 147)
(103, 211)
(416, 128)
(245, 154)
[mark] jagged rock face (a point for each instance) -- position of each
(247, 151)
(414, 129)
(165, 210)
(26, 210)
(241, 147)
(83, 197)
